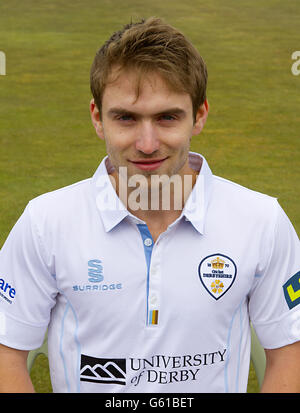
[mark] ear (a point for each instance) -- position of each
(95, 117)
(201, 117)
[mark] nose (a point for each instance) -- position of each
(147, 141)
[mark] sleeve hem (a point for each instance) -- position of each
(19, 335)
(279, 333)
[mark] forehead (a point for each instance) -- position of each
(133, 90)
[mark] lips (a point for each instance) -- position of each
(148, 164)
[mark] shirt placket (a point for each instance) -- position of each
(152, 256)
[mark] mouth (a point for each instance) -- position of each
(148, 164)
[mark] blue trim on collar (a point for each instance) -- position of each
(148, 247)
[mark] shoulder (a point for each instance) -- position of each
(244, 201)
(62, 202)
(233, 189)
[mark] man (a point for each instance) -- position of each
(147, 274)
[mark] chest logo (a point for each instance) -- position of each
(95, 271)
(217, 273)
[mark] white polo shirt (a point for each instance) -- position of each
(125, 314)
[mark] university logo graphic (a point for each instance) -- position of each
(217, 273)
(106, 371)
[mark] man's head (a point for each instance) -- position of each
(148, 84)
(151, 46)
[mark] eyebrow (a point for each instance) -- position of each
(122, 111)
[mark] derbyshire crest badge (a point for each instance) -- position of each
(217, 273)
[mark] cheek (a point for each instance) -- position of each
(116, 139)
(178, 142)
(179, 137)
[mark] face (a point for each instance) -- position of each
(150, 134)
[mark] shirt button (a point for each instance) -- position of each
(148, 242)
(153, 299)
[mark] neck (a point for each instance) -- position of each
(156, 198)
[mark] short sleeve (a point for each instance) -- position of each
(274, 303)
(27, 288)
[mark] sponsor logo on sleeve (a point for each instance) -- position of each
(291, 291)
(7, 291)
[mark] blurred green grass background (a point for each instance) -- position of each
(47, 141)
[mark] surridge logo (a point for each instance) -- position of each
(95, 271)
(95, 278)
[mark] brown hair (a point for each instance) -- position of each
(151, 45)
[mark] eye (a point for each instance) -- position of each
(168, 117)
(125, 118)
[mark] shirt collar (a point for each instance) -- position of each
(111, 208)
(197, 203)
(113, 211)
